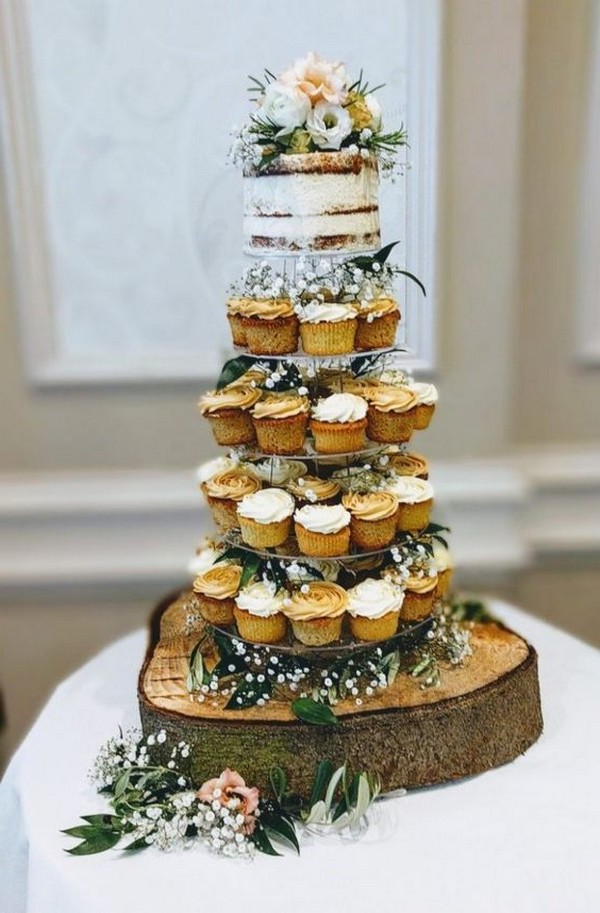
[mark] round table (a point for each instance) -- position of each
(523, 837)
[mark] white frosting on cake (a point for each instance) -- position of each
(313, 201)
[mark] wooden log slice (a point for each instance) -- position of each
(484, 714)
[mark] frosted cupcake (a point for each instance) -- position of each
(265, 517)
(277, 471)
(374, 517)
(223, 492)
(213, 467)
(258, 614)
(392, 413)
(415, 500)
(216, 589)
(311, 490)
(235, 307)
(428, 396)
(409, 464)
(377, 323)
(444, 565)
(419, 596)
(280, 422)
(270, 326)
(328, 328)
(373, 608)
(338, 423)
(228, 411)
(322, 530)
(316, 613)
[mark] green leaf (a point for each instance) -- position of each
(278, 781)
(251, 566)
(280, 828)
(312, 712)
(83, 831)
(322, 776)
(233, 369)
(195, 678)
(122, 783)
(408, 275)
(262, 842)
(333, 785)
(249, 694)
(102, 820)
(99, 842)
(139, 844)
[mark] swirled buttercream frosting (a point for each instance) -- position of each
(327, 312)
(270, 505)
(267, 308)
(409, 464)
(322, 518)
(209, 469)
(424, 584)
(260, 599)
(280, 406)
(427, 393)
(229, 398)
(393, 399)
(219, 582)
(378, 307)
(442, 557)
(233, 483)
(372, 505)
(374, 598)
(276, 470)
(340, 407)
(408, 489)
(320, 599)
(311, 488)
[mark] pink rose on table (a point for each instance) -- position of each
(319, 79)
(230, 790)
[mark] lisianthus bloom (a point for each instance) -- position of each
(319, 79)
(230, 790)
(328, 125)
(286, 106)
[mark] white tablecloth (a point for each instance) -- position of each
(522, 838)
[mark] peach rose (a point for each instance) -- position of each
(228, 787)
(319, 79)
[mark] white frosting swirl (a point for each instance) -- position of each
(427, 393)
(340, 407)
(322, 518)
(260, 599)
(442, 557)
(270, 505)
(408, 489)
(209, 469)
(327, 312)
(374, 598)
(277, 470)
(203, 560)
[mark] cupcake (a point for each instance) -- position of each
(277, 471)
(316, 613)
(377, 323)
(374, 517)
(270, 326)
(328, 328)
(258, 613)
(265, 517)
(312, 490)
(444, 565)
(235, 307)
(280, 422)
(408, 464)
(428, 396)
(373, 608)
(322, 530)
(216, 589)
(391, 416)
(213, 467)
(223, 492)
(415, 500)
(228, 411)
(419, 596)
(338, 423)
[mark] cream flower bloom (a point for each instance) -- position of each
(375, 111)
(286, 106)
(319, 79)
(328, 125)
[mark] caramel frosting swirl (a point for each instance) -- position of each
(409, 464)
(233, 483)
(374, 598)
(242, 397)
(254, 376)
(311, 488)
(321, 599)
(372, 505)
(236, 304)
(345, 383)
(393, 399)
(378, 307)
(284, 405)
(267, 308)
(423, 584)
(219, 582)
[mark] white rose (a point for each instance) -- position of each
(328, 125)
(375, 111)
(285, 106)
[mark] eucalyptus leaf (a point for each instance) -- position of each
(305, 708)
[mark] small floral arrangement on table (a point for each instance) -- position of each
(314, 106)
(157, 804)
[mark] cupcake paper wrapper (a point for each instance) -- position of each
(282, 436)
(374, 628)
(412, 517)
(271, 337)
(317, 631)
(258, 630)
(378, 333)
(328, 338)
(390, 427)
(339, 437)
(323, 545)
(232, 427)
(265, 535)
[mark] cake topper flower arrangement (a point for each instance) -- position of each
(313, 106)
